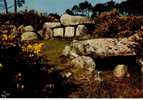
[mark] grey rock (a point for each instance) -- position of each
(120, 71)
(51, 24)
(58, 32)
(82, 67)
(67, 20)
(69, 31)
(28, 36)
(28, 28)
(104, 47)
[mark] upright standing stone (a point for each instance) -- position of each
(69, 31)
(104, 47)
(58, 32)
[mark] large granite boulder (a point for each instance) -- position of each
(28, 28)
(58, 32)
(69, 31)
(104, 47)
(67, 20)
(26, 36)
(81, 67)
(52, 24)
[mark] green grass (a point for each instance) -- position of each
(52, 50)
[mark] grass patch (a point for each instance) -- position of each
(52, 50)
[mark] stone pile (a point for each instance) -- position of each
(103, 48)
(69, 26)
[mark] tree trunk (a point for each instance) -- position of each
(15, 6)
(5, 4)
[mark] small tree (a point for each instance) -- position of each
(4, 5)
(75, 9)
(98, 8)
(6, 9)
(110, 5)
(68, 11)
(15, 6)
(85, 8)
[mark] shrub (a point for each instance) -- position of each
(110, 24)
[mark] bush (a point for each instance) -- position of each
(28, 18)
(110, 24)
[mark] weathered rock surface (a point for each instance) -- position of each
(52, 24)
(28, 36)
(69, 31)
(58, 32)
(28, 28)
(67, 19)
(103, 47)
(120, 71)
(82, 67)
